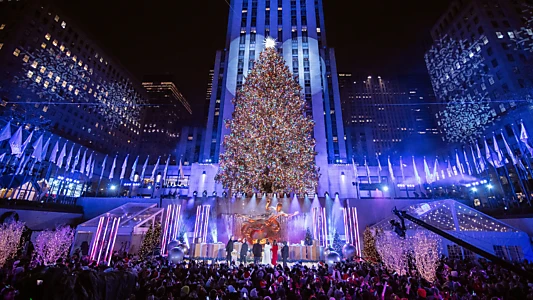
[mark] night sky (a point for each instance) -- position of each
(380, 37)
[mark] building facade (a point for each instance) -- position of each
(298, 26)
(165, 115)
(476, 58)
(54, 77)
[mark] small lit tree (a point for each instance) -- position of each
(426, 248)
(393, 251)
(10, 235)
(308, 238)
(369, 245)
(53, 245)
(337, 243)
(151, 241)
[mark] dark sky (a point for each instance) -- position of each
(381, 37)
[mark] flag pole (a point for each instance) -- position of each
(12, 178)
(523, 154)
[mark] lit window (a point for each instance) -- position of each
(485, 40)
(318, 29)
(34, 64)
(499, 35)
(50, 74)
(1, 45)
(74, 58)
(68, 53)
(16, 52)
(2, 26)
(62, 47)
(64, 84)
(511, 34)
(76, 92)
(26, 58)
(42, 70)
(189, 137)
(46, 84)
(279, 8)
(45, 108)
(47, 36)
(38, 79)
(55, 42)
(43, 45)
(30, 74)
(63, 24)
(57, 79)
(56, 18)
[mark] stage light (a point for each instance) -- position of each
(149, 187)
(195, 193)
(113, 187)
(224, 194)
(342, 174)
(474, 189)
(203, 173)
(215, 193)
(204, 193)
(385, 188)
(489, 186)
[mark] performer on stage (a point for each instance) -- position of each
(285, 254)
(267, 255)
(229, 249)
(244, 251)
(257, 249)
(275, 253)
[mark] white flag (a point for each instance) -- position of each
(69, 157)
(481, 161)
(379, 168)
(436, 176)
(124, 165)
(15, 142)
(112, 172)
(429, 177)
(391, 172)
(152, 178)
(25, 144)
(449, 168)
(76, 160)
(501, 160)
(418, 180)
(133, 168)
(45, 148)
(91, 173)
(355, 173)
(144, 168)
(2, 157)
(458, 163)
(166, 169)
(21, 165)
(180, 169)
(38, 149)
(89, 165)
(62, 155)
(469, 169)
(474, 160)
(524, 138)
(509, 151)
(367, 172)
(401, 169)
(53, 154)
(103, 167)
(5, 134)
(83, 160)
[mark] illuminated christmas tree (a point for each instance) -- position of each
(151, 241)
(337, 243)
(270, 148)
(369, 246)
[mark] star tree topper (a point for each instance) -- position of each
(270, 42)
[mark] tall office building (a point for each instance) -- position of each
(165, 115)
(298, 26)
(475, 57)
(55, 78)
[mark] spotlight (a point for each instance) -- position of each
(113, 187)
(336, 194)
(385, 188)
(474, 189)
(204, 193)
(489, 186)
(149, 187)
(195, 193)
(215, 193)
(203, 173)
(224, 194)
(326, 194)
(342, 173)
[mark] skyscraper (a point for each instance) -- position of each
(167, 111)
(298, 27)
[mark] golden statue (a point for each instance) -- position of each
(264, 226)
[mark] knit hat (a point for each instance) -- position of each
(421, 293)
(184, 290)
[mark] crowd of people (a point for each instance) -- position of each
(130, 278)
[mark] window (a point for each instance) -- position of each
(494, 63)
(63, 24)
(499, 35)
(2, 26)
(500, 251)
(47, 36)
(1, 45)
(515, 253)
(511, 34)
(16, 52)
(454, 252)
(56, 18)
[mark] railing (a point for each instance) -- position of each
(48, 204)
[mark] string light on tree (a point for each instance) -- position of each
(393, 252)
(10, 234)
(426, 248)
(269, 148)
(53, 245)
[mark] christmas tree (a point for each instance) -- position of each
(370, 251)
(151, 241)
(308, 238)
(337, 243)
(270, 148)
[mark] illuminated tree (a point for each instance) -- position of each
(369, 245)
(151, 241)
(393, 251)
(426, 248)
(10, 235)
(337, 243)
(52, 245)
(308, 238)
(269, 148)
